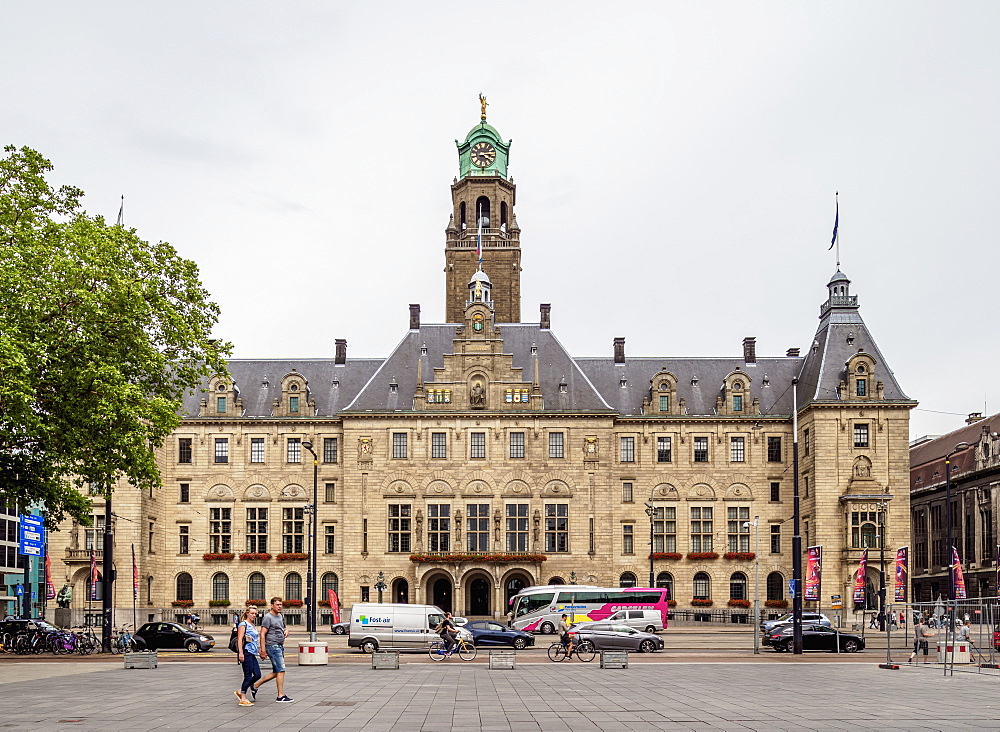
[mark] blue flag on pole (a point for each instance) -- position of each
(836, 223)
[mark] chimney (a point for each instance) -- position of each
(793, 353)
(619, 350)
(415, 317)
(974, 417)
(750, 350)
(546, 309)
(341, 356)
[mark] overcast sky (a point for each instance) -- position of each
(676, 164)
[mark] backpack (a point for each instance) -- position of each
(234, 639)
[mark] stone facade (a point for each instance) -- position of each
(483, 437)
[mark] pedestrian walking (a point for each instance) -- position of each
(272, 636)
(248, 645)
(921, 636)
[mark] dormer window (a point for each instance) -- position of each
(293, 404)
(737, 402)
(861, 387)
(220, 405)
(860, 375)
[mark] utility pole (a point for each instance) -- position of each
(796, 537)
(108, 583)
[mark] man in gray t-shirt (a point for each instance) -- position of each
(272, 643)
(275, 624)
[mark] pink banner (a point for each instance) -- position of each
(859, 582)
(334, 606)
(93, 575)
(814, 572)
(50, 589)
(135, 576)
(956, 567)
(902, 573)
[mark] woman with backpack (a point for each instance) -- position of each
(247, 648)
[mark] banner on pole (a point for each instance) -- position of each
(902, 573)
(334, 606)
(50, 589)
(814, 572)
(859, 581)
(956, 567)
(135, 576)
(93, 575)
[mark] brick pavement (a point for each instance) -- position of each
(535, 696)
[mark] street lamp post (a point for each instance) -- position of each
(796, 537)
(883, 510)
(948, 518)
(651, 512)
(311, 572)
(380, 585)
(756, 581)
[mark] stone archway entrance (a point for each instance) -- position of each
(514, 584)
(477, 595)
(401, 591)
(440, 592)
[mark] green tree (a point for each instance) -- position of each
(101, 335)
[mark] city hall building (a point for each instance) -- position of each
(480, 457)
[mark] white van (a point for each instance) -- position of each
(648, 621)
(396, 626)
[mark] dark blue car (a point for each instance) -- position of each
(489, 633)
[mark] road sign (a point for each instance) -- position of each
(836, 602)
(32, 542)
(18, 590)
(791, 588)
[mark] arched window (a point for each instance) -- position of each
(775, 586)
(220, 586)
(555, 581)
(738, 586)
(293, 586)
(483, 211)
(665, 579)
(330, 582)
(461, 213)
(185, 588)
(627, 580)
(702, 586)
(503, 213)
(256, 588)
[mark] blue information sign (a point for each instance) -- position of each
(19, 590)
(32, 536)
(792, 587)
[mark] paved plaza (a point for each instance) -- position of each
(66, 694)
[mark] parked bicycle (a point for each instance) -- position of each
(124, 641)
(465, 650)
(583, 650)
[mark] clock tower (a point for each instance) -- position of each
(483, 216)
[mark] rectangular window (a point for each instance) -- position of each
(555, 444)
(775, 539)
(222, 449)
(862, 387)
(701, 528)
(861, 435)
(183, 539)
(220, 530)
(366, 593)
(517, 444)
(256, 449)
(330, 494)
(775, 491)
(439, 527)
(665, 529)
(477, 445)
(936, 521)
(477, 527)
(330, 540)
(220, 405)
(774, 449)
(517, 527)
(399, 527)
(626, 493)
(805, 439)
(294, 450)
(439, 445)
(664, 402)
(94, 536)
(399, 445)
(257, 530)
(185, 493)
(663, 450)
(329, 449)
(627, 449)
(865, 529)
(737, 402)
(184, 450)
(556, 527)
(628, 539)
(737, 449)
(739, 535)
(701, 449)
(593, 540)
(292, 530)
(986, 539)
(293, 404)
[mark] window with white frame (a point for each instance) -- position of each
(220, 530)
(439, 527)
(737, 449)
(663, 449)
(477, 527)
(399, 445)
(477, 445)
(556, 445)
(439, 445)
(665, 529)
(628, 539)
(701, 449)
(292, 530)
(701, 528)
(257, 530)
(399, 527)
(517, 445)
(517, 527)
(627, 449)
(294, 450)
(556, 527)
(738, 534)
(256, 449)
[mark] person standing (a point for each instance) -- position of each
(248, 645)
(921, 636)
(272, 633)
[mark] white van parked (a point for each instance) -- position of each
(648, 621)
(396, 626)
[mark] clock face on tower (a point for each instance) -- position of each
(483, 154)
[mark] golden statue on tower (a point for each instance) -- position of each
(482, 104)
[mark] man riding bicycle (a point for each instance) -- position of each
(447, 632)
(564, 635)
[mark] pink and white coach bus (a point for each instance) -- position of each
(539, 608)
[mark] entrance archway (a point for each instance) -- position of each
(401, 591)
(440, 593)
(514, 584)
(478, 595)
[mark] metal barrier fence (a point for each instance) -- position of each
(946, 619)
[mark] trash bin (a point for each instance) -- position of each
(313, 654)
(961, 649)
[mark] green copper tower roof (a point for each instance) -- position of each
(483, 153)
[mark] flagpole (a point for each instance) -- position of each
(135, 590)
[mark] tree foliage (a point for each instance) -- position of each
(101, 335)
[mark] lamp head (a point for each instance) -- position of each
(307, 445)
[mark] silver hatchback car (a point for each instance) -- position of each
(612, 637)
